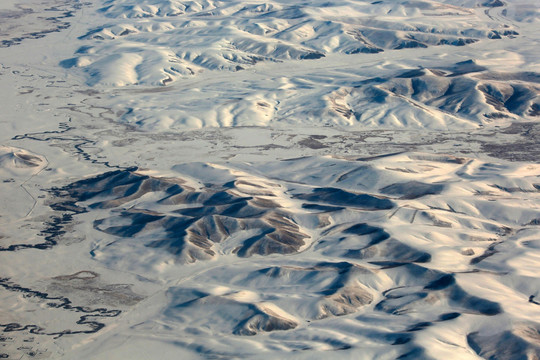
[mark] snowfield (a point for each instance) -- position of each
(258, 180)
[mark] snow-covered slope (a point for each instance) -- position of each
(273, 179)
(162, 41)
(306, 63)
(427, 245)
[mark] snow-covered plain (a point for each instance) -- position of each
(245, 179)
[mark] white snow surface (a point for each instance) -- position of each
(371, 63)
(259, 180)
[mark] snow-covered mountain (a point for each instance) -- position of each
(269, 179)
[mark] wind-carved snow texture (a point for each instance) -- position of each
(401, 246)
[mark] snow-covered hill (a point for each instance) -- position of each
(417, 251)
(171, 43)
(273, 179)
